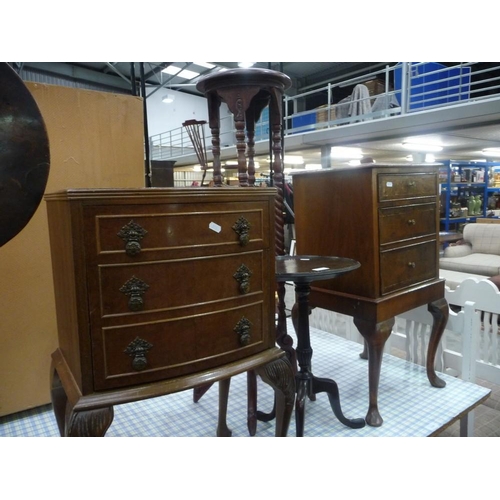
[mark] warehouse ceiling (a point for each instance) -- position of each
(463, 135)
(121, 76)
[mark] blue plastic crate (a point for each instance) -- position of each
(430, 85)
(262, 126)
(305, 122)
(459, 84)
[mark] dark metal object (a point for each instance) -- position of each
(147, 165)
(135, 288)
(196, 132)
(242, 229)
(243, 330)
(242, 276)
(24, 155)
(132, 78)
(132, 233)
(137, 350)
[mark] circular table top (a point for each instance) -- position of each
(308, 268)
(244, 77)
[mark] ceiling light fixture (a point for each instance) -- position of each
(205, 65)
(181, 73)
(171, 70)
(491, 151)
(293, 160)
(346, 153)
(168, 98)
(417, 146)
(188, 74)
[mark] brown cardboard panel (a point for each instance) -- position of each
(96, 140)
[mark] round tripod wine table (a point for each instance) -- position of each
(303, 270)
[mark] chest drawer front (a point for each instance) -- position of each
(393, 187)
(403, 223)
(406, 266)
(140, 232)
(141, 353)
(176, 283)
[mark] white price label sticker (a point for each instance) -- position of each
(215, 227)
(388, 184)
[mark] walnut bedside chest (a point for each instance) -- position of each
(159, 290)
(385, 217)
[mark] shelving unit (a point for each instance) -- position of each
(494, 184)
(458, 182)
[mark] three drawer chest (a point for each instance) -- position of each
(385, 217)
(160, 290)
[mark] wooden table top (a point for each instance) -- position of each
(308, 268)
(449, 236)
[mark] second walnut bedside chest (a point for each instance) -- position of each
(385, 217)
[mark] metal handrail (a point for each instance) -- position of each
(419, 87)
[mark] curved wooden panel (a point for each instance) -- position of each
(24, 155)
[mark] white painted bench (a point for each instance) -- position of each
(454, 278)
(486, 298)
(415, 327)
(470, 345)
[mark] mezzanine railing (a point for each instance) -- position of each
(396, 90)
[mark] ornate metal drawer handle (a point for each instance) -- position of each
(411, 264)
(242, 276)
(242, 229)
(411, 222)
(135, 288)
(411, 183)
(137, 350)
(242, 329)
(132, 233)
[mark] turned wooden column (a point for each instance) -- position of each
(246, 93)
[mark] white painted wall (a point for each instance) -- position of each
(164, 117)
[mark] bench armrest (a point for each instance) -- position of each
(458, 250)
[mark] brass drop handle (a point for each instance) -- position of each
(411, 264)
(135, 288)
(132, 248)
(137, 350)
(242, 228)
(132, 233)
(242, 276)
(243, 330)
(411, 222)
